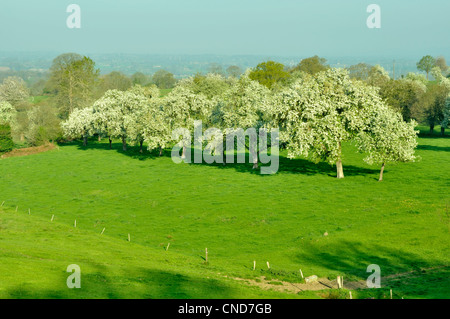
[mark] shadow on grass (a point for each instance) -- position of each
(295, 166)
(352, 258)
(133, 283)
(286, 165)
(433, 148)
(132, 151)
(435, 134)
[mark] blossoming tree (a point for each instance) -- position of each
(387, 138)
(79, 124)
(318, 113)
(182, 108)
(243, 107)
(7, 113)
(113, 110)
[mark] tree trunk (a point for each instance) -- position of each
(124, 144)
(110, 143)
(140, 144)
(99, 138)
(442, 131)
(339, 169)
(431, 128)
(255, 162)
(381, 173)
(183, 155)
(254, 156)
(160, 151)
(85, 140)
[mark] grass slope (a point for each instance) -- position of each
(34, 266)
(401, 224)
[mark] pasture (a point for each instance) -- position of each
(301, 218)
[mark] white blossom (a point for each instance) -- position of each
(7, 113)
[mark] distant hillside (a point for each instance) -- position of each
(185, 65)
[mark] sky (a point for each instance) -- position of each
(228, 27)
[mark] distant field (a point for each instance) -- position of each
(401, 224)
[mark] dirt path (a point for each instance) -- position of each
(284, 286)
(29, 150)
(320, 284)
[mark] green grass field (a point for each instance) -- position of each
(402, 224)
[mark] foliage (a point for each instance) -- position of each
(244, 105)
(115, 112)
(13, 90)
(446, 114)
(147, 122)
(215, 68)
(211, 85)
(426, 64)
(43, 125)
(404, 95)
(269, 74)
(433, 104)
(417, 77)
(156, 129)
(359, 71)
(115, 81)
(440, 79)
(378, 76)
(140, 78)
(311, 65)
(442, 64)
(73, 79)
(7, 113)
(79, 124)
(164, 79)
(387, 138)
(6, 142)
(182, 107)
(234, 71)
(317, 114)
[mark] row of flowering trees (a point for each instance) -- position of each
(315, 116)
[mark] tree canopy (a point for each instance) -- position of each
(426, 64)
(269, 74)
(311, 65)
(74, 79)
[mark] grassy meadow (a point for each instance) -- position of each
(402, 224)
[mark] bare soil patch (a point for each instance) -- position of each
(320, 284)
(284, 286)
(30, 150)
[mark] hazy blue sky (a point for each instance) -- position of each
(281, 27)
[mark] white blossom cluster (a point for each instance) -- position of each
(315, 115)
(80, 123)
(7, 113)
